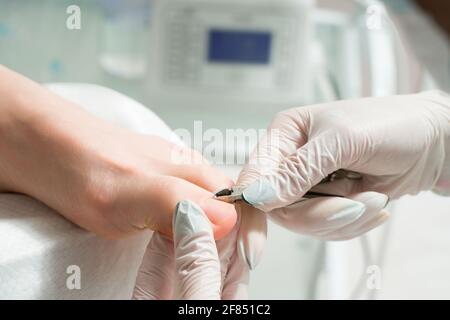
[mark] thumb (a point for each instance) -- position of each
(197, 266)
(297, 173)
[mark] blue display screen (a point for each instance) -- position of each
(229, 46)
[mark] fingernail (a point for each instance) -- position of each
(247, 256)
(373, 199)
(388, 199)
(381, 201)
(189, 219)
(350, 213)
(259, 193)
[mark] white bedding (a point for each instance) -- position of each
(37, 245)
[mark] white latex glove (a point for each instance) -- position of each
(193, 265)
(399, 144)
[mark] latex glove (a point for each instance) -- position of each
(399, 144)
(193, 265)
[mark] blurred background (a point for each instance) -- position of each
(234, 64)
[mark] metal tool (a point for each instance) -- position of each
(233, 194)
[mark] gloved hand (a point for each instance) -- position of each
(399, 144)
(193, 265)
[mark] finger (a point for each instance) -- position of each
(234, 271)
(286, 133)
(196, 259)
(252, 234)
(318, 216)
(155, 277)
(236, 282)
(374, 203)
(227, 247)
(297, 173)
(377, 221)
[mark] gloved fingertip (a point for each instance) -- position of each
(371, 199)
(189, 219)
(197, 263)
(350, 213)
(388, 200)
(259, 193)
(384, 200)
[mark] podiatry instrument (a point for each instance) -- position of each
(233, 194)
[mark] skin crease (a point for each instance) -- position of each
(106, 179)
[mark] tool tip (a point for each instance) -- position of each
(224, 192)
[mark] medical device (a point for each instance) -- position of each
(253, 50)
(234, 194)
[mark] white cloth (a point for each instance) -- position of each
(37, 245)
